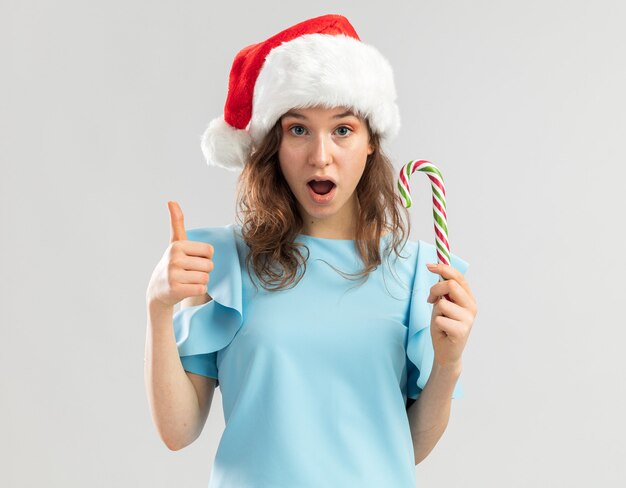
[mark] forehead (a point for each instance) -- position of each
(311, 112)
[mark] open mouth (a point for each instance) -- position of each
(321, 187)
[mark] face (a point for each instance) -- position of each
(324, 144)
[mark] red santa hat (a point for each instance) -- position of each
(317, 62)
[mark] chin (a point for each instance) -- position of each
(319, 212)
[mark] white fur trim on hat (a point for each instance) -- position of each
(326, 70)
(225, 146)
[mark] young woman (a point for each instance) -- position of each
(315, 315)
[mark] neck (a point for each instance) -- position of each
(339, 226)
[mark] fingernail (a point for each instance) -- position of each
(431, 265)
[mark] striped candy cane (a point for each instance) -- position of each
(439, 203)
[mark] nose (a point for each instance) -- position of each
(320, 153)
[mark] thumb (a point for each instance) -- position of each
(177, 222)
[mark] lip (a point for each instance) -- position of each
(322, 199)
(321, 178)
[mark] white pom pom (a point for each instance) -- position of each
(225, 146)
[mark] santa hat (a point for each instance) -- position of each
(320, 61)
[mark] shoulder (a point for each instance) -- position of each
(427, 253)
(414, 255)
(228, 244)
(406, 250)
(221, 234)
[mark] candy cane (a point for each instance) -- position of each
(439, 203)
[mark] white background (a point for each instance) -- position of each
(520, 104)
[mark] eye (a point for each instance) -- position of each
(343, 127)
(291, 129)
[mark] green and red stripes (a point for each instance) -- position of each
(439, 202)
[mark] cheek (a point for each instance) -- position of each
(286, 167)
(359, 170)
(282, 157)
(288, 158)
(286, 152)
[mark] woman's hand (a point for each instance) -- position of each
(451, 321)
(185, 268)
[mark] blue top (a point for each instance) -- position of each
(315, 378)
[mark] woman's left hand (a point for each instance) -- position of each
(451, 321)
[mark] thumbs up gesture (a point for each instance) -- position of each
(184, 269)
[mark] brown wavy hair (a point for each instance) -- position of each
(270, 219)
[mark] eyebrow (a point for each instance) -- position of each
(297, 115)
